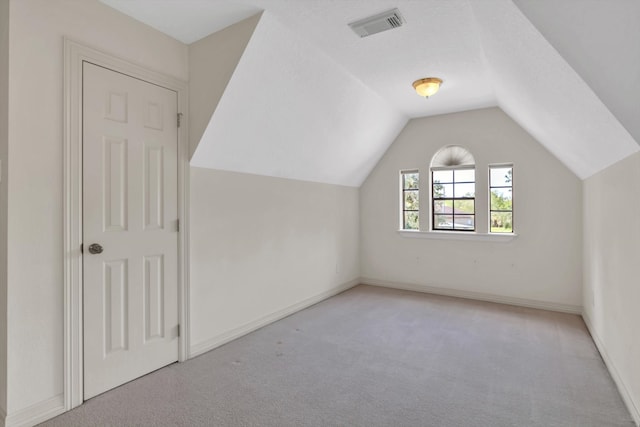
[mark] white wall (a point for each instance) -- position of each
(542, 264)
(260, 245)
(35, 259)
(212, 61)
(611, 290)
(4, 134)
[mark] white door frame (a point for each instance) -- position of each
(74, 56)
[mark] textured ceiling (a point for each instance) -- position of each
(305, 117)
(599, 39)
(329, 103)
(439, 39)
(540, 91)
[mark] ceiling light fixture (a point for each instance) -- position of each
(428, 86)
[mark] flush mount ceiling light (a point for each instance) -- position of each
(427, 86)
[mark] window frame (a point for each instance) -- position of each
(490, 187)
(453, 199)
(403, 190)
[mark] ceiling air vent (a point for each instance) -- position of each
(377, 23)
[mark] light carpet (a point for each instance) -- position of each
(380, 357)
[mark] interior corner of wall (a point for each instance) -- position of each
(212, 64)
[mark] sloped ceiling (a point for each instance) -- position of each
(310, 100)
(600, 41)
(289, 114)
(212, 63)
(439, 39)
(540, 91)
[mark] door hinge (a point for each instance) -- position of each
(81, 248)
(179, 119)
(177, 224)
(178, 329)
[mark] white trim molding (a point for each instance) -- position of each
(74, 56)
(458, 235)
(633, 408)
(235, 333)
(479, 296)
(37, 413)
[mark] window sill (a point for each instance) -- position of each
(458, 235)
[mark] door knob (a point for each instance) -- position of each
(95, 248)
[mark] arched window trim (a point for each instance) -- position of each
(451, 156)
(451, 209)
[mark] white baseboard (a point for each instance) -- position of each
(633, 408)
(231, 335)
(36, 413)
(522, 302)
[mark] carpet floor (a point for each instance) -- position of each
(381, 357)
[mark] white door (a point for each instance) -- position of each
(130, 235)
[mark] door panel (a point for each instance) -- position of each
(130, 209)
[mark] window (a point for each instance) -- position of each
(454, 199)
(410, 200)
(453, 190)
(501, 199)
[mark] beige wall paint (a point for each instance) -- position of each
(4, 143)
(212, 61)
(35, 259)
(611, 291)
(543, 263)
(261, 244)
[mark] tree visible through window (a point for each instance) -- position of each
(453, 189)
(410, 200)
(501, 203)
(454, 192)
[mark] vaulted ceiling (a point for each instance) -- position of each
(311, 100)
